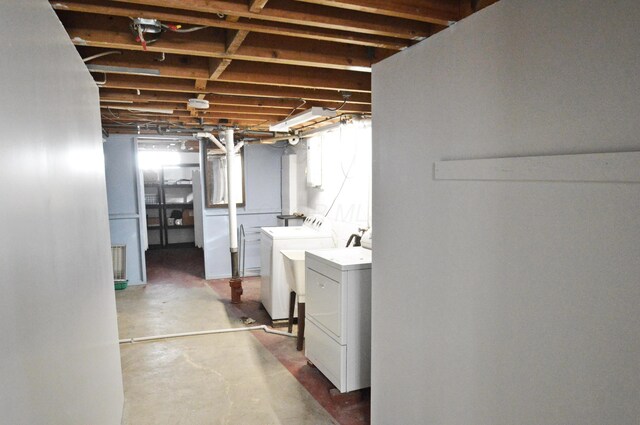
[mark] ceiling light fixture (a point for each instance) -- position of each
(308, 115)
(198, 104)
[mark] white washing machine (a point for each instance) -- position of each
(314, 233)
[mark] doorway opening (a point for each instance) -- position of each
(170, 186)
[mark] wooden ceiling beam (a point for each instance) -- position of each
(440, 12)
(113, 34)
(146, 96)
(256, 6)
(195, 68)
(130, 126)
(201, 85)
(214, 108)
(199, 18)
(304, 14)
(335, 56)
(217, 67)
(151, 119)
(302, 77)
(179, 122)
(235, 38)
(123, 115)
(179, 100)
(135, 82)
(228, 114)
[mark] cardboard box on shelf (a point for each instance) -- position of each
(151, 176)
(187, 218)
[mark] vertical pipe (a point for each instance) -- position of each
(235, 283)
(231, 196)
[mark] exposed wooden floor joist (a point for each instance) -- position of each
(255, 61)
(199, 18)
(287, 11)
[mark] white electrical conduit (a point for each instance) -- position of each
(209, 332)
(99, 55)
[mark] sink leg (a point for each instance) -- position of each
(292, 304)
(300, 326)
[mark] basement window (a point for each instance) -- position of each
(215, 168)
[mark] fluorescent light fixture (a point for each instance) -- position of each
(143, 109)
(122, 70)
(115, 101)
(308, 115)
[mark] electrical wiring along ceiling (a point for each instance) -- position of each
(256, 62)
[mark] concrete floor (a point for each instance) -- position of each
(214, 379)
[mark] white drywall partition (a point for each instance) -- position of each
(508, 302)
(59, 355)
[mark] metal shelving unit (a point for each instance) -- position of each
(158, 200)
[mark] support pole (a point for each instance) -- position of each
(236, 282)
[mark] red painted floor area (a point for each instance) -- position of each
(186, 266)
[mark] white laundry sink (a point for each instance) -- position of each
(294, 270)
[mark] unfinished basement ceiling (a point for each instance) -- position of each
(256, 61)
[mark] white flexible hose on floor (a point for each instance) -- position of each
(215, 331)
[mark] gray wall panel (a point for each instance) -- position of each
(503, 302)
(60, 359)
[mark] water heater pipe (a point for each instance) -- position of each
(231, 196)
(236, 282)
(230, 149)
(212, 138)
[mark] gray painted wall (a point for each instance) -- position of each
(262, 197)
(508, 302)
(262, 190)
(124, 204)
(60, 361)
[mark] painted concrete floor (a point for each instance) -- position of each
(238, 378)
